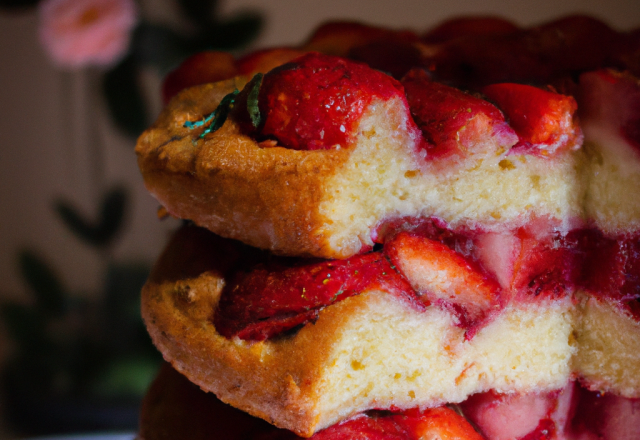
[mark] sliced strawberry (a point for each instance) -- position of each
(460, 240)
(544, 121)
(611, 266)
(316, 101)
(262, 61)
(370, 428)
(611, 100)
(445, 278)
(461, 27)
(339, 37)
(445, 424)
(276, 297)
(547, 266)
(440, 423)
(605, 417)
(530, 416)
(201, 68)
(456, 124)
(498, 253)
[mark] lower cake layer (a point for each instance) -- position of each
(368, 351)
(176, 408)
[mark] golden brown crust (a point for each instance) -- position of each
(226, 182)
(340, 365)
(276, 381)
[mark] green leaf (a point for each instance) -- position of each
(43, 282)
(124, 98)
(252, 100)
(217, 117)
(103, 232)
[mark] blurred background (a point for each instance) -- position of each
(78, 231)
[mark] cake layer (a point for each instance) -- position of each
(608, 347)
(371, 350)
(176, 408)
(327, 203)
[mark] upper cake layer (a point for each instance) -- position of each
(461, 163)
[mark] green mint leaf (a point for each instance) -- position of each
(217, 117)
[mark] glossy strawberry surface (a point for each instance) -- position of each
(447, 279)
(276, 297)
(446, 118)
(513, 416)
(601, 416)
(543, 120)
(610, 266)
(316, 101)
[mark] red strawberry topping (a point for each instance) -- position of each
(456, 124)
(275, 297)
(436, 423)
(611, 266)
(316, 101)
(605, 417)
(446, 278)
(512, 416)
(544, 121)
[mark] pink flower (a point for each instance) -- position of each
(78, 33)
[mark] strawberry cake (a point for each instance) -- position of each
(382, 223)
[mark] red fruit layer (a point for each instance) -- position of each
(316, 101)
(435, 423)
(484, 271)
(600, 416)
(612, 100)
(610, 265)
(515, 416)
(447, 279)
(533, 261)
(544, 121)
(444, 114)
(273, 298)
